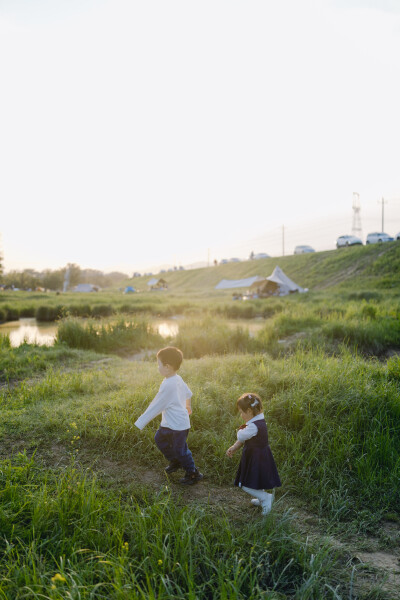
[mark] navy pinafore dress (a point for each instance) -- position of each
(257, 468)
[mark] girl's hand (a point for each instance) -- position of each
(189, 410)
(231, 451)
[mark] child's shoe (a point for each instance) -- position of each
(172, 467)
(191, 477)
(255, 502)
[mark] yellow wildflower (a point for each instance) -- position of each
(58, 577)
(160, 562)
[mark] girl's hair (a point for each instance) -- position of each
(250, 401)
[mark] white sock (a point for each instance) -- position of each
(260, 494)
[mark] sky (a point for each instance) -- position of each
(136, 135)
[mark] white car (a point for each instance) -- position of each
(348, 240)
(224, 261)
(376, 238)
(261, 255)
(234, 260)
(303, 249)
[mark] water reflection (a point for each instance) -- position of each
(166, 327)
(29, 330)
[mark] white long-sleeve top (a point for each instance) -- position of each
(170, 401)
(250, 430)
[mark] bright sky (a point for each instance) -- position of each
(135, 134)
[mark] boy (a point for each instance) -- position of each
(173, 401)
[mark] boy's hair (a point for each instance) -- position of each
(250, 401)
(170, 356)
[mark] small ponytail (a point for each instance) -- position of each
(250, 402)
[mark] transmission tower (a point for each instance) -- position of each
(356, 227)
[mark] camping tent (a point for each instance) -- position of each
(226, 284)
(277, 284)
(86, 287)
(157, 284)
(129, 289)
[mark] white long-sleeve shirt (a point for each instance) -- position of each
(250, 430)
(170, 401)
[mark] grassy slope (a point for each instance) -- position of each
(365, 266)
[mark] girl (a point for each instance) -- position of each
(257, 469)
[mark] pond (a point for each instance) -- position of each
(29, 330)
(35, 332)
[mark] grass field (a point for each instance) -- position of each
(86, 510)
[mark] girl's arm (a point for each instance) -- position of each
(231, 451)
(189, 405)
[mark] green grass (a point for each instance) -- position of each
(63, 536)
(123, 335)
(334, 425)
(332, 408)
(30, 360)
(334, 422)
(362, 270)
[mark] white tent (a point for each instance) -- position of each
(152, 281)
(226, 284)
(285, 285)
(277, 284)
(86, 287)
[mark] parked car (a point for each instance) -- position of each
(261, 255)
(348, 240)
(376, 238)
(234, 260)
(224, 261)
(303, 249)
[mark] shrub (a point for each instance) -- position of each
(121, 336)
(48, 313)
(12, 314)
(102, 310)
(80, 310)
(211, 336)
(27, 312)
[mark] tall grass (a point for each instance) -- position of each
(334, 423)
(63, 536)
(365, 327)
(122, 335)
(198, 338)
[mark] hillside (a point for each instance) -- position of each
(359, 267)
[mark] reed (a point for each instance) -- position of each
(121, 335)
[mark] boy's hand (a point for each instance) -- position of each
(188, 408)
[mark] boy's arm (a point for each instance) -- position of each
(155, 407)
(189, 405)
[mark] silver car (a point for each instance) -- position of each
(348, 240)
(303, 249)
(378, 238)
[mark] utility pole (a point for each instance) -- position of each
(283, 240)
(383, 202)
(356, 228)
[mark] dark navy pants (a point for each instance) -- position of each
(173, 445)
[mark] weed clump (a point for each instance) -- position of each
(119, 336)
